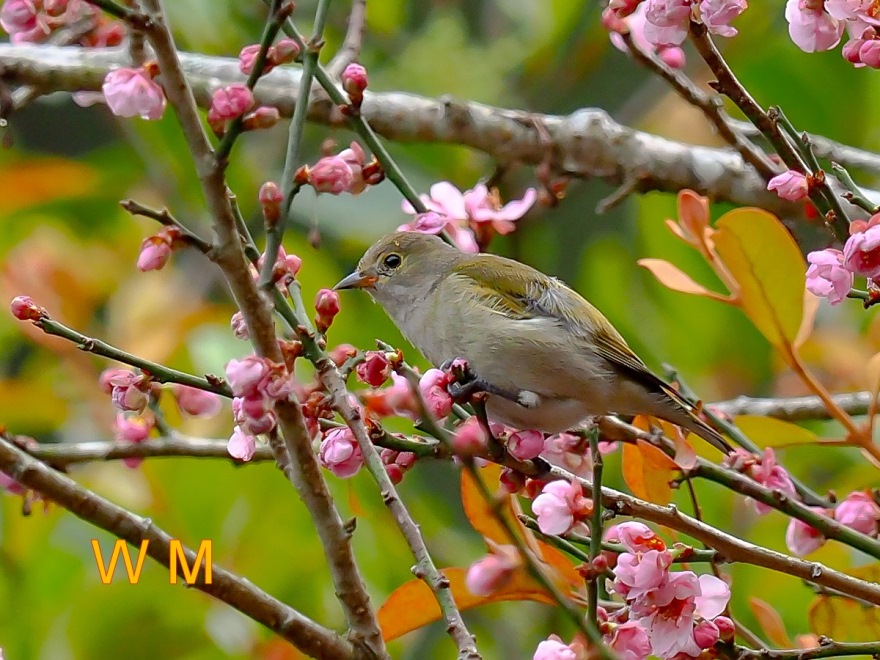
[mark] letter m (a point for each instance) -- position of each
(175, 550)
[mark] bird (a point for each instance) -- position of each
(547, 358)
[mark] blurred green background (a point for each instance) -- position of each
(66, 243)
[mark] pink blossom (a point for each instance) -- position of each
(869, 53)
(638, 537)
(129, 391)
(482, 206)
(706, 634)
(773, 476)
(811, 28)
(375, 369)
(801, 538)
(132, 428)
(254, 414)
(25, 309)
(860, 512)
(327, 306)
(827, 277)
(285, 270)
(716, 15)
(635, 22)
(241, 446)
(670, 618)
(855, 11)
(246, 374)
(239, 326)
(861, 253)
(19, 19)
(340, 453)
(247, 58)
(354, 82)
(196, 402)
(667, 21)
(331, 174)
(12, 487)
(559, 506)
(231, 101)
(568, 451)
(470, 437)
(713, 597)
(155, 253)
(489, 574)
(554, 649)
(525, 445)
(636, 575)
(790, 185)
(133, 93)
(726, 628)
(433, 385)
(629, 641)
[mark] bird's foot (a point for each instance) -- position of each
(467, 383)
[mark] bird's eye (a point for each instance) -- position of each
(392, 261)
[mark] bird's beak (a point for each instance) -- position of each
(356, 280)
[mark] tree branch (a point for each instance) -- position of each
(232, 589)
(794, 409)
(588, 142)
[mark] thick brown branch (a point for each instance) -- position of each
(232, 589)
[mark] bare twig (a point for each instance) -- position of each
(794, 409)
(165, 218)
(354, 39)
(232, 589)
(827, 648)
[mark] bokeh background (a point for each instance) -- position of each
(66, 243)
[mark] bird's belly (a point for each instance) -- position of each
(551, 415)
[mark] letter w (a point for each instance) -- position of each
(134, 572)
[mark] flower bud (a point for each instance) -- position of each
(790, 185)
(232, 101)
(247, 58)
(375, 369)
(263, 117)
(525, 445)
(270, 199)
(354, 82)
(239, 327)
(726, 628)
(487, 575)
(469, 438)
(285, 51)
(25, 309)
(196, 402)
(331, 174)
(327, 306)
(155, 253)
(340, 453)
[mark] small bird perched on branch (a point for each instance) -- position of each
(546, 356)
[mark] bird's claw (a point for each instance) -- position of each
(467, 383)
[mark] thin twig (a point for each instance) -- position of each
(227, 587)
(595, 530)
(793, 409)
(827, 649)
(853, 193)
(165, 218)
(354, 39)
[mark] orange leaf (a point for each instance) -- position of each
(413, 605)
(673, 278)
(479, 512)
(561, 565)
(31, 182)
(770, 621)
(693, 212)
(648, 471)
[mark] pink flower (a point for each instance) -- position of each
(375, 369)
(128, 391)
(713, 597)
(231, 101)
(790, 185)
(861, 253)
(629, 641)
(810, 27)
(133, 429)
(285, 270)
(12, 487)
(638, 537)
(801, 538)
(469, 438)
(239, 327)
(667, 21)
(827, 277)
(254, 414)
(706, 634)
(568, 451)
(340, 453)
(726, 628)
(773, 476)
(155, 253)
(19, 19)
(354, 82)
(869, 53)
(554, 649)
(241, 446)
(487, 575)
(133, 93)
(716, 15)
(196, 402)
(482, 206)
(247, 58)
(331, 174)
(559, 506)
(244, 375)
(525, 445)
(636, 575)
(25, 309)
(860, 512)
(433, 385)
(635, 22)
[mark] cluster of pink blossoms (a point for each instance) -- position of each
(257, 384)
(345, 172)
(832, 272)
(283, 52)
(818, 25)
(34, 21)
(467, 217)
(237, 101)
(662, 25)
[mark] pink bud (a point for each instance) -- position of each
(354, 82)
(327, 306)
(790, 185)
(133, 93)
(241, 445)
(869, 53)
(132, 428)
(331, 174)
(263, 117)
(247, 58)
(623, 8)
(245, 375)
(850, 50)
(270, 199)
(525, 445)
(340, 453)
(512, 481)
(286, 50)
(155, 253)
(25, 309)
(433, 388)
(726, 628)
(239, 327)
(375, 369)
(196, 402)
(469, 438)
(860, 512)
(489, 574)
(801, 538)
(232, 101)
(706, 634)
